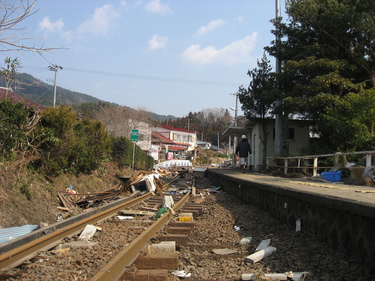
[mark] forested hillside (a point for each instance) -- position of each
(42, 93)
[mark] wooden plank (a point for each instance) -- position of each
(137, 212)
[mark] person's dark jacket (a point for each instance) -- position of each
(243, 148)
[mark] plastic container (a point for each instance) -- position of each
(332, 176)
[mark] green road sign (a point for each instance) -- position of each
(134, 135)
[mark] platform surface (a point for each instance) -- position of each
(359, 193)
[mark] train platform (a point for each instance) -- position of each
(339, 214)
(360, 194)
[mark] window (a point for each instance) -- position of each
(290, 133)
(182, 138)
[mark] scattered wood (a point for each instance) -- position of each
(64, 209)
(225, 251)
(136, 212)
(365, 191)
(153, 209)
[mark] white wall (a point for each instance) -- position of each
(301, 139)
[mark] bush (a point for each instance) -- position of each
(13, 119)
(122, 153)
(70, 144)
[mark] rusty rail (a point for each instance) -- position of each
(16, 256)
(117, 266)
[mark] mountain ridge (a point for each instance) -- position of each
(42, 93)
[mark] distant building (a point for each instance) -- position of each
(203, 144)
(297, 139)
(171, 142)
(144, 135)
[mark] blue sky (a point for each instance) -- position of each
(165, 56)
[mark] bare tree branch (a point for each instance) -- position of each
(12, 35)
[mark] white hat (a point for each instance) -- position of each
(243, 136)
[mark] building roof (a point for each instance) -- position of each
(15, 98)
(175, 148)
(236, 131)
(176, 129)
(161, 138)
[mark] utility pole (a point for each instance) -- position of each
(54, 68)
(235, 110)
(278, 117)
(235, 137)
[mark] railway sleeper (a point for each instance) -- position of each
(162, 258)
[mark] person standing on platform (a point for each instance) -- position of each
(243, 150)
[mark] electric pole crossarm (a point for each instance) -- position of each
(54, 68)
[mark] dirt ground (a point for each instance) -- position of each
(27, 197)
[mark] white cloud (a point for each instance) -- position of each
(156, 7)
(210, 26)
(157, 42)
(239, 19)
(234, 53)
(49, 27)
(100, 22)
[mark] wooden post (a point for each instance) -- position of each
(368, 160)
(285, 166)
(315, 168)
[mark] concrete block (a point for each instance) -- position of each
(76, 244)
(185, 217)
(164, 248)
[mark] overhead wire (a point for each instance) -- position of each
(145, 77)
(153, 78)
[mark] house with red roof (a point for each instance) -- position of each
(170, 141)
(15, 98)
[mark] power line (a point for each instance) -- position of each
(154, 78)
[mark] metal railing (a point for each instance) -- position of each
(301, 161)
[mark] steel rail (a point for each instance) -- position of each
(8, 259)
(114, 269)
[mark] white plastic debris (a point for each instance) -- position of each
(245, 241)
(276, 276)
(298, 225)
(181, 274)
(259, 255)
(125, 217)
(295, 276)
(248, 276)
(237, 228)
(263, 244)
(168, 201)
(87, 233)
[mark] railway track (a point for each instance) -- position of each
(31, 258)
(121, 249)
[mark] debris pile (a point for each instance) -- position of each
(142, 181)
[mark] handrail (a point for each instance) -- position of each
(315, 160)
